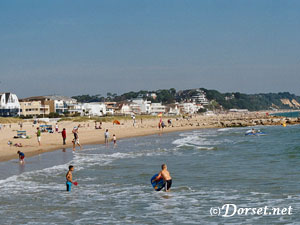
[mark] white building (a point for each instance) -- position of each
(189, 108)
(111, 107)
(61, 103)
(200, 97)
(173, 109)
(9, 104)
(89, 109)
(157, 108)
(144, 105)
(239, 110)
(126, 109)
(136, 109)
(94, 109)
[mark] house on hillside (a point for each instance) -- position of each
(9, 105)
(200, 97)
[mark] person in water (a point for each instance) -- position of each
(69, 178)
(21, 156)
(115, 140)
(106, 137)
(165, 174)
(253, 131)
(76, 138)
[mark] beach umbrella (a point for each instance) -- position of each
(116, 122)
(160, 115)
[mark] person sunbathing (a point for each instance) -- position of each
(18, 145)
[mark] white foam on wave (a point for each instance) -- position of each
(196, 139)
(83, 159)
(224, 129)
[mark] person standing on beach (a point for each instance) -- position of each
(69, 178)
(76, 138)
(56, 127)
(64, 135)
(106, 137)
(165, 174)
(21, 156)
(38, 135)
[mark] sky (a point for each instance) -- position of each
(72, 47)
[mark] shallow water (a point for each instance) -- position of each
(209, 168)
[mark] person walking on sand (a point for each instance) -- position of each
(56, 127)
(69, 178)
(21, 156)
(64, 135)
(165, 174)
(38, 135)
(106, 137)
(76, 138)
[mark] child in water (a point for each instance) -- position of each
(21, 156)
(115, 139)
(69, 178)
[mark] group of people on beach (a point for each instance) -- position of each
(75, 140)
(163, 174)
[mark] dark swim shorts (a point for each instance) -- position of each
(168, 184)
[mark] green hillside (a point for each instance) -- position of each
(236, 100)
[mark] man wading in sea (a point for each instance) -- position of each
(165, 174)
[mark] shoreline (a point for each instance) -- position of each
(88, 135)
(41, 150)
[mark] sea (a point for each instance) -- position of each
(212, 170)
(288, 114)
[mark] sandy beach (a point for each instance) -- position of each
(89, 135)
